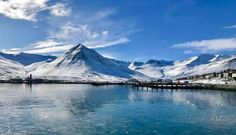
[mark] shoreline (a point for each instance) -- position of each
(60, 82)
(190, 86)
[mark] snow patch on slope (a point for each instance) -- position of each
(10, 69)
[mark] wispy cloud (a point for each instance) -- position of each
(85, 35)
(230, 27)
(96, 31)
(105, 43)
(28, 9)
(22, 9)
(101, 14)
(48, 46)
(50, 50)
(109, 55)
(60, 10)
(45, 44)
(11, 51)
(69, 31)
(212, 45)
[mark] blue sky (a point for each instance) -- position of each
(124, 29)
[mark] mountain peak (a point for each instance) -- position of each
(81, 61)
(77, 49)
(27, 59)
(159, 62)
(77, 55)
(201, 59)
(79, 46)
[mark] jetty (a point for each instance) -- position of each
(186, 86)
(135, 84)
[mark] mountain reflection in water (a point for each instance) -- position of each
(85, 109)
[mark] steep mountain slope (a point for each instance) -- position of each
(159, 63)
(85, 64)
(201, 59)
(152, 68)
(10, 69)
(215, 66)
(197, 65)
(27, 59)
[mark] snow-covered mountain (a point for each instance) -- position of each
(216, 64)
(152, 68)
(9, 68)
(27, 59)
(197, 65)
(85, 64)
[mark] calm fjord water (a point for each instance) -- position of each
(85, 109)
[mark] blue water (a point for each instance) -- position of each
(84, 109)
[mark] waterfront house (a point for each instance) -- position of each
(226, 75)
(202, 76)
(16, 80)
(210, 75)
(234, 76)
(229, 74)
(220, 75)
(167, 81)
(132, 81)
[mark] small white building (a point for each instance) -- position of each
(234, 76)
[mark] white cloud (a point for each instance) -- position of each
(115, 42)
(213, 45)
(28, 9)
(45, 43)
(71, 32)
(22, 9)
(95, 31)
(60, 10)
(109, 55)
(15, 49)
(48, 46)
(188, 52)
(10, 51)
(51, 49)
(85, 35)
(104, 13)
(101, 43)
(105, 32)
(230, 27)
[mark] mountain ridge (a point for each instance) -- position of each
(9, 68)
(84, 64)
(26, 58)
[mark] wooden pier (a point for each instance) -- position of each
(189, 86)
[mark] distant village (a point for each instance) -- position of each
(229, 75)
